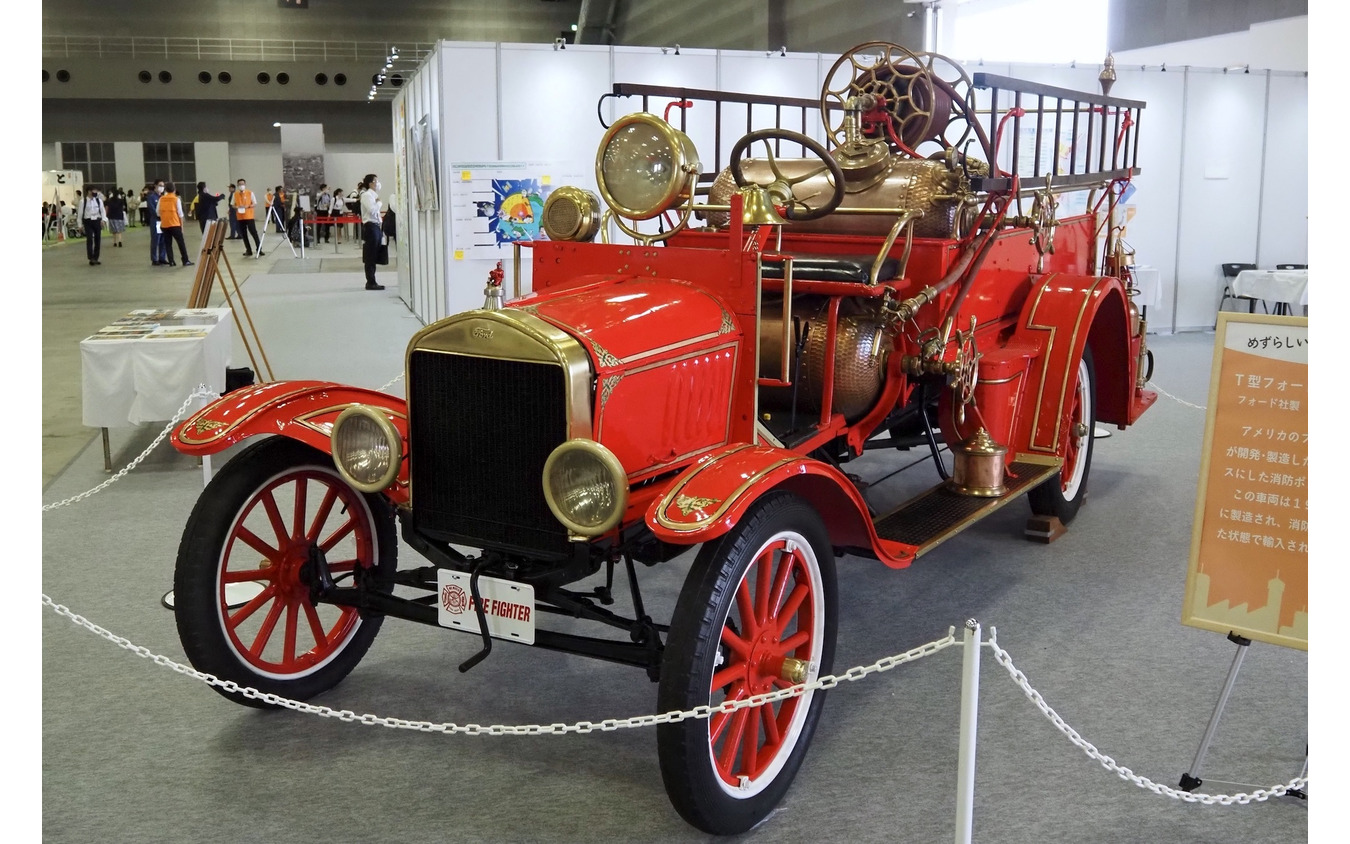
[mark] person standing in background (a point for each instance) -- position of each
(117, 215)
(373, 248)
(206, 206)
(145, 201)
(93, 213)
(133, 207)
(339, 210)
(234, 219)
(245, 204)
(171, 224)
(323, 210)
(159, 256)
(276, 199)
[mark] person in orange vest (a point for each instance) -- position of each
(171, 224)
(244, 203)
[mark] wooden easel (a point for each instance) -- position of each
(208, 272)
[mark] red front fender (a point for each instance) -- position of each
(711, 496)
(301, 410)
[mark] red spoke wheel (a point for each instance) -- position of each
(255, 524)
(1062, 495)
(756, 614)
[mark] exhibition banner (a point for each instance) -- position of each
(1249, 545)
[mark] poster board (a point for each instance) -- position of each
(496, 204)
(1248, 569)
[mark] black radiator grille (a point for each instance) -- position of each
(480, 432)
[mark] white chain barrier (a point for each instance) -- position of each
(611, 724)
(698, 712)
(1260, 795)
(608, 725)
(201, 392)
(1154, 385)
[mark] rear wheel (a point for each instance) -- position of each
(756, 614)
(255, 524)
(1063, 494)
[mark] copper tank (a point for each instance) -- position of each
(858, 373)
(892, 182)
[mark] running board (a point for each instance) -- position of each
(924, 522)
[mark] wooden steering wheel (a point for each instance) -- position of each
(782, 188)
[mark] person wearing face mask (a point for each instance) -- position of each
(93, 213)
(244, 203)
(373, 247)
(171, 224)
(117, 216)
(159, 254)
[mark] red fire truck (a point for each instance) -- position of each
(702, 352)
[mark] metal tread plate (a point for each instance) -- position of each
(937, 514)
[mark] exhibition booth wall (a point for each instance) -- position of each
(1223, 155)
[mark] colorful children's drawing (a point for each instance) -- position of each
(519, 203)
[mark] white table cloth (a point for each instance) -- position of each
(145, 379)
(1288, 286)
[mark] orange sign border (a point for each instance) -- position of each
(1197, 528)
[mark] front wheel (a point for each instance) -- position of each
(1063, 494)
(254, 525)
(757, 613)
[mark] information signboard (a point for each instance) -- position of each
(1249, 544)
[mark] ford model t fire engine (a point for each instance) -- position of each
(908, 284)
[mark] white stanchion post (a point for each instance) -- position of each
(965, 763)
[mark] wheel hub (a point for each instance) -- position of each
(290, 574)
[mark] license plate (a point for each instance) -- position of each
(509, 606)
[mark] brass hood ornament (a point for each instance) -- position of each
(493, 298)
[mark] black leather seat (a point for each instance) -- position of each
(857, 268)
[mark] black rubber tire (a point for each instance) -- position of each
(199, 594)
(692, 652)
(1051, 498)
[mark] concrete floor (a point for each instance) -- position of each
(77, 299)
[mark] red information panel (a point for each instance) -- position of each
(1249, 545)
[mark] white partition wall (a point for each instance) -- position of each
(1224, 156)
(1224, 126)
(1284, 192)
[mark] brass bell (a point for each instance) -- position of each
(759, 209)
(977, 467)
